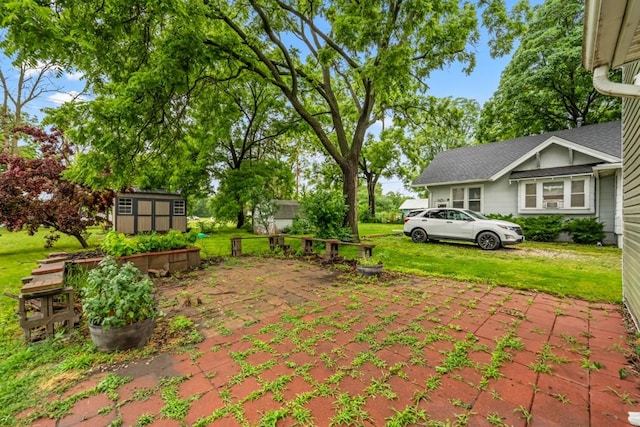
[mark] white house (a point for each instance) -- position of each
(612, 40)
(573, 172)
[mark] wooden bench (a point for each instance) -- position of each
(278, 241)
(275, 241)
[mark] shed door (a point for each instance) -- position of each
(145, 216)
(163, 215)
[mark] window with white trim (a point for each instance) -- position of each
(125, 206)
(578, 196)
(179, 207)
(467, 198)
(554, 195)
(457, 197)
(530, 195)
(474, 198)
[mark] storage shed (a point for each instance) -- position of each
(412, 204)
(145, 211)
(283, 217)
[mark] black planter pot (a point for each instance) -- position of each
(369, 270)
(126, 337)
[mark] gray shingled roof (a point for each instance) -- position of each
(481, 162)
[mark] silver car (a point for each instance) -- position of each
(460, 224)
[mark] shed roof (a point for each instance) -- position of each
(414, 204)
(486, 161)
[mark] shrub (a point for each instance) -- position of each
(116, 244)
(206, 225)
(324, 211)
(543, 228)
(585, 230)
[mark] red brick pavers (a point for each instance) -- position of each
(415, 352)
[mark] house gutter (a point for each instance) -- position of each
(605, 86)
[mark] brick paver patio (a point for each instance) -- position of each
(412, 351)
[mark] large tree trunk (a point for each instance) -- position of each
(371, 192)
(241, 219)
(350, 191)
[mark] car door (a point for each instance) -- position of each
(459, 225)
(435, 223)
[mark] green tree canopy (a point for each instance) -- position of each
(545, 87)
(340, 64)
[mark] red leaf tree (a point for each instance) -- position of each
(34, 192)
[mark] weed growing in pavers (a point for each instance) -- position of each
(560, 397)
(455, 359)
(625, 397)
(59, 408)
(272, 417)
(299, 413)
(541, 365)
(349, 410)
(175, 408)
(116, 423)
(409, 416)
(145, 420)
(495, 419)
(462, 419)
(380, 387)
(105, 410)
(433, 382)
(277, 386)
(623, 373)
(248, 370)
(495, 394)
(524, 414)
(591, 366)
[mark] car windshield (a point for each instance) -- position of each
(476, 215)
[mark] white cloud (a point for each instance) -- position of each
(62, 97)
(74, 76)
(31, 72)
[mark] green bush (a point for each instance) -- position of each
(586, 231)
(324, 212)
(116, 244)
(543, 228)
(206, 225)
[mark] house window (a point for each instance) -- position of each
(474, 198)
(457, 197)
(467, 198)
(553, 195)
(125, 206)
(179, 207)
(530, 195)
(577, 194)
(559, 194)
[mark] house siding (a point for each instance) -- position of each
(631, 197)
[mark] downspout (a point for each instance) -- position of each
(605, 86)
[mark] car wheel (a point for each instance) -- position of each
(418, 235)
(488, 241)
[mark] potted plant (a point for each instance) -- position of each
(369, 266)
(118, 302)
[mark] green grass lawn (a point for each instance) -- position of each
(586, 272)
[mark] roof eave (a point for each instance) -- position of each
(611, 39)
